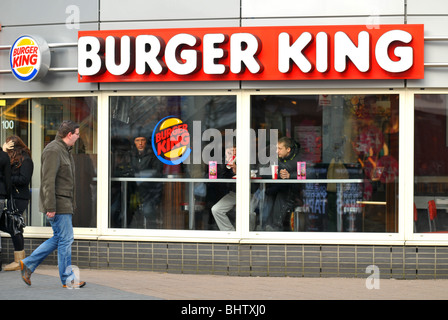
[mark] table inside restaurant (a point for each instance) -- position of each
(191, 206)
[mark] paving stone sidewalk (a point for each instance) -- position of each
(138, 285)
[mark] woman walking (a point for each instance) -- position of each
(21, 173)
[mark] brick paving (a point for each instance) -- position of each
(136, 285)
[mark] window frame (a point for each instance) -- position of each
(242, 233)
(159, 234)
(405, 234)
(338, 237)
(411, 237)
(45, 231)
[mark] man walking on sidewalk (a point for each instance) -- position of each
(57, 200)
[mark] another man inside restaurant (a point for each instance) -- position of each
(145, 196)
(283, 194)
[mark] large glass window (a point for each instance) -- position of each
(431, 163)
(167, 160)
(36, 122)
(335, 161)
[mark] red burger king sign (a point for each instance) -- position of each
(252, 53)
(29, 58)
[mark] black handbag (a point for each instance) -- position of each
(11, 221)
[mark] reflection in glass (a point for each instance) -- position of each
(82, 110)
(349, 144)
(36, 122)
(430, 163)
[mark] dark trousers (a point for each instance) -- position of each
(17, 240)
(283, 204)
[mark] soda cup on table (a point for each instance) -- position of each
(212, 170)
(274, 169)
(231, 162)
(301, 170)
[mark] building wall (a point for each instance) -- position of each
(59, 23)
(53, 21)
(274, 260)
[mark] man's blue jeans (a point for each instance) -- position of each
(62, 241)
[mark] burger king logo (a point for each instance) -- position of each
(29, 58)
(171, 140)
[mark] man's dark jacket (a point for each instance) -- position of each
(57, 187)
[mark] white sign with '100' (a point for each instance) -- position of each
(8, 124)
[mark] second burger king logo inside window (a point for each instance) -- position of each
(171, 140)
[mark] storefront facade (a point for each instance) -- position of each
(185, 85)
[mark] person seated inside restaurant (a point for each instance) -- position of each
(283, 195)
(221, 209)
(146, 195)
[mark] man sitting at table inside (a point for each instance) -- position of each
(283, 195)
(147, 194)
(221, 209)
